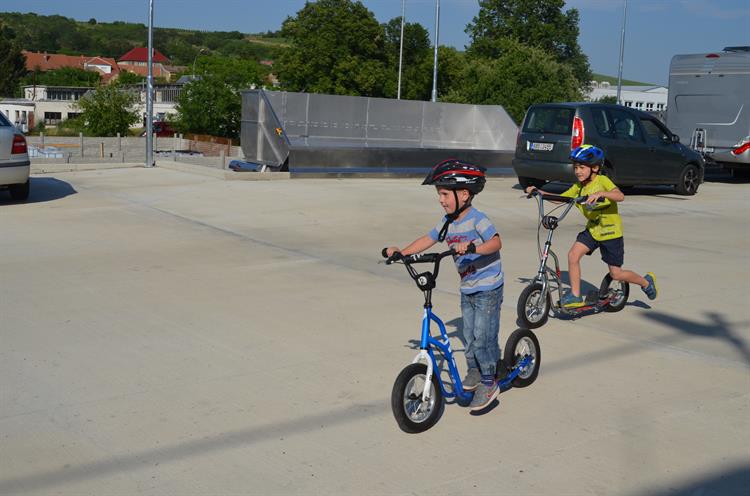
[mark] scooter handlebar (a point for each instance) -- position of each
(422, 257)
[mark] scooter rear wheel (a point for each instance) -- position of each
(533, 306)
(523, 342)
(617, 290)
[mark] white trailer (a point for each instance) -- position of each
(709, 104)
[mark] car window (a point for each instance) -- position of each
(3, 120)
(601, 122)
(553, 120)
(654, 130)
(625, 126)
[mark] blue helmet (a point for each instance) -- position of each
(587, 155)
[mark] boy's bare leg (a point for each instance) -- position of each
(620, 274)
(577, 251)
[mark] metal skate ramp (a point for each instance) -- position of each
(313, 133)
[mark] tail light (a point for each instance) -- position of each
(19, 144)
(576, 138)
(741, 148)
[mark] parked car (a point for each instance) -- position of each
(162, 129)
(639, 149)
(14, 161)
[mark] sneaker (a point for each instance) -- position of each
(472, 379)
(572, 301)
(484, 395)
(651, 290)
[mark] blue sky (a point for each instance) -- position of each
(656, 29)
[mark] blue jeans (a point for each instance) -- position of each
(481, 318)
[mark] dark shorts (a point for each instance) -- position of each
(612, 250)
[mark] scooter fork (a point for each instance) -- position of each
(424, 356)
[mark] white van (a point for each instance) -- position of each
(709, 105)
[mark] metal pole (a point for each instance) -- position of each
(435, 58)
(150, 90)
(401, 49)
(196, 58)
(622, 52)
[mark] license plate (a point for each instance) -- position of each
(541, 147)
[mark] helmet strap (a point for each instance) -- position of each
(451, 217)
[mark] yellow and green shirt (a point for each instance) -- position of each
(603, 220)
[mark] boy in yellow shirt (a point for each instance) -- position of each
(603, 229)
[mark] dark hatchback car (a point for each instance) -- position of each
(639, 149)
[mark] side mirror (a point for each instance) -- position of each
(675, 138)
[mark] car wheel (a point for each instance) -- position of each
(525, 182)
(19, 192)
(689, 181)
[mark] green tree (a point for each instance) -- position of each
(127, 77)
(608, 99)
(65, 76)
(452, 66)
(416, 75)
(519, 77)
(235, 72)
(212, 104)
(108, 110)
(337, 47)
(209, 106)
(12, 67)
(537, 23)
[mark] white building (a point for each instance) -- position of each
(20, 112)
(647, 98)
(54, 104)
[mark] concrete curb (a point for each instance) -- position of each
(227, 175)
(224, 174)
(40, 168)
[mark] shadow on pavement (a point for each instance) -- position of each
(122, 464)
(715, 327)
(42, 189)
(735, 481)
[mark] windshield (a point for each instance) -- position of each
(550, 120)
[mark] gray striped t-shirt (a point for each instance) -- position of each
(478, 272)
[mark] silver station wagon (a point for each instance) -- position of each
(14, 161)
(639, 149)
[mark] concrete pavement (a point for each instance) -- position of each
(170, 333)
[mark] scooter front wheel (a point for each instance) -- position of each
(412, 412)
(533, 306)
(617, 291)
(522, 343)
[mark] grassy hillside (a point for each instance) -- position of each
(625, 82)
(58, 34)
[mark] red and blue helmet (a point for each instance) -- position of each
(457, 174)
(587, 155)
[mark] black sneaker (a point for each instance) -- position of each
(472, 379)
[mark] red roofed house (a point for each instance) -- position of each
(106, 67)
(136, 60)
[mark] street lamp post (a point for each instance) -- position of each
(401, 48)
(435, 57)
(622, 52)
(196, 58)
(150, 90)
